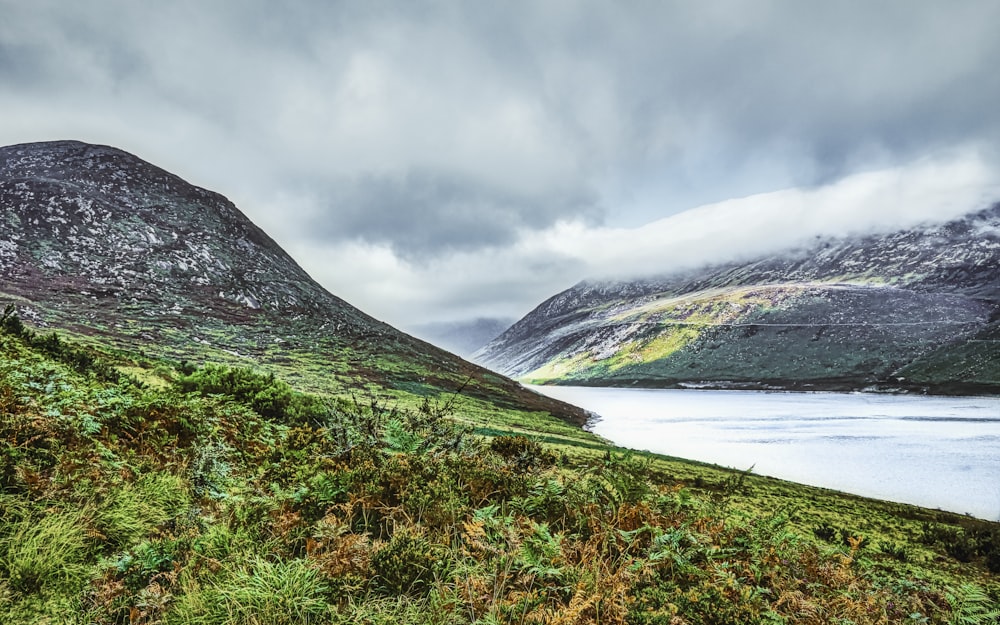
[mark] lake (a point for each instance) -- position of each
(938, 452)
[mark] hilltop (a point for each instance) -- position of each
(99, 243)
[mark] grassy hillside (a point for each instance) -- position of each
(830, 337)
(139, 490)
(110, 248)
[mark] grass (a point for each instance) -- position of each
(43, 552)
(256, 591)
(132, 510)
(218, 495)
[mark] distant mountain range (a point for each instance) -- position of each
(913, 310)
(99, 243)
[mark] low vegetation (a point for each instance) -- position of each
(140, 492)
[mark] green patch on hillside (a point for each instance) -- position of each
(313, 357)
(660, 346)
(659, 334)
(804, 336)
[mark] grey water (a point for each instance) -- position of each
(937, 452)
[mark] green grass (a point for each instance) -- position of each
(227, 495)
(253, 592)
(43, 552)
(133, 510)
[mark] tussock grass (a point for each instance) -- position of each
(256, 592)
(44, 551)
(132, 510)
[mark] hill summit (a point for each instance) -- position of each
(100, 243)
(95, 221)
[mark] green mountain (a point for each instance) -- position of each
(916, 310)
(111, 249)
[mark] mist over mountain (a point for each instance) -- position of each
(916, 309)
(462, 337)
(100, 243)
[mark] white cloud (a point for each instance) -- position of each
(927, 190)
(508, 281)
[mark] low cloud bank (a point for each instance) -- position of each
(509, 280)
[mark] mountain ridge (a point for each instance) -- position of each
(899, 296)
(78, 179)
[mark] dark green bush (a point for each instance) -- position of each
(82, 360)
(973, 539)
(894, 551)
(407, 564)
(268, 396)
(11, 323)
(826, 532)
(524, 453)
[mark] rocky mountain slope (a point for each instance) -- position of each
(99, 243)
(917, 309)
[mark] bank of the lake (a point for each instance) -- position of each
(937, 452)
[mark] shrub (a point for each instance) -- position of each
(11, 323)
(826, 532)
(965, 543)
(407, 563)
(892, 550)
(524, 453)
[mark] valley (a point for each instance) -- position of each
(192, 430)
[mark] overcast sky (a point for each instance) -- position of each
(432, 161)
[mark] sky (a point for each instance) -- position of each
(434, 161)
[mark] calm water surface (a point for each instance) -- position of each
(939, 452)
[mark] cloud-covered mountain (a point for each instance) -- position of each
(444, 149)
(914, 309)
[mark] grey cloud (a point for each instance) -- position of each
(18, 65)
(655, 86)
(425, 214)
(440, 128)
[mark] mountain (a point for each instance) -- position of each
(101, 244)
(916, 309)
(138, 489)
(462, 337)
